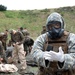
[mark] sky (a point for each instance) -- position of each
(35, 4)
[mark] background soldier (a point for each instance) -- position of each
(24, 31)
(28, 41)
(3, 38)
(18, 53)
(2, 54)
(43, 30)
(54, 51)
(5, 68)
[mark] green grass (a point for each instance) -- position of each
(33, 20)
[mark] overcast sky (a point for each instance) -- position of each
(35, 4)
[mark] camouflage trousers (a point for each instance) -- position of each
(43, 71)
(18, 54)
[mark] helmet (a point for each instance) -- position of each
(12, 31)
(54, 18)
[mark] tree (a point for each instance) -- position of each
(3, 8)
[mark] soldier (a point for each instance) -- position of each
(28, 41)
(44, 30)
(2, 54)
(54, 51)
(25, 32)
(3, 38)
(18, 53)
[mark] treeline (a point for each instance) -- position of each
(3, 8)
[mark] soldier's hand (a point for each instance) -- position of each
(47, 56)
(57, 56)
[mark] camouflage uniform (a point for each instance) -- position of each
(69, 62)
(18, 53)
(26, 38)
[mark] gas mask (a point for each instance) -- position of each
(55, 33)
(55, 25)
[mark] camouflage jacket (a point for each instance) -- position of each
(37, 51)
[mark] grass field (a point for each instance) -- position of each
(33, 20)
